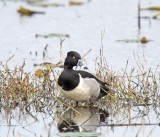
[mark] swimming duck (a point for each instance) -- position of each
(80, 85)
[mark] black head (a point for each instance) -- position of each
(72, 59)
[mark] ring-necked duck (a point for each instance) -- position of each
(80, 85)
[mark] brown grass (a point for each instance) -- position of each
(136, 90)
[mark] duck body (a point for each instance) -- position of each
(80, 85)
(77, 87)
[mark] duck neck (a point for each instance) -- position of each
(68, 67)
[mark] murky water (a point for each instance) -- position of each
(84, 24)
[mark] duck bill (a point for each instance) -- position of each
(81, 64)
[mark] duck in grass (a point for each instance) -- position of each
(80, 85)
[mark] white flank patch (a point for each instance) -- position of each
(87, 90)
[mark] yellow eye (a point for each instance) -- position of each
(73, 57)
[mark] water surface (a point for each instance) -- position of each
(84, 24)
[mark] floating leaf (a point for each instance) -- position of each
(128, 40)
(28, 12)
(144, 40)
(45, 4)
(50, 65)
(52, 35)
(79, 134)
(145, 17)
(73, 3)
(39, 73)
(152, 8)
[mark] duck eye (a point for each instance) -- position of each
(73, 57)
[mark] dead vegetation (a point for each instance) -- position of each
(29, 94)
(135, 88)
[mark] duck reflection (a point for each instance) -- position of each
(81, 119)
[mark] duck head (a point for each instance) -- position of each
(73, 59)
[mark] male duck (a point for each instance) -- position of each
(80, 85)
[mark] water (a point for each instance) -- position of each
(84, 24)
(87, 122)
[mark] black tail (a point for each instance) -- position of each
(105, 90)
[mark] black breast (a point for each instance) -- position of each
(68, 79)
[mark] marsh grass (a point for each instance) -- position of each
(136, 92)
